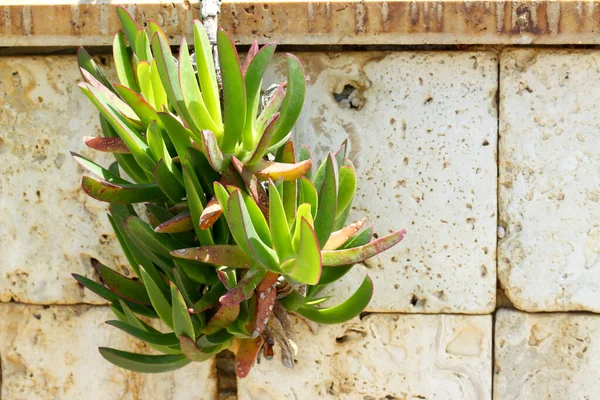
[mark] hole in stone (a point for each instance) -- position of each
(350, 97)
(414, 299)
(227, 381)
(485, 143)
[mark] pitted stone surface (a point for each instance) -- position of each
(546, 356)
(549, 256)
(422, 130)
(49, 227)
(384, 356)
(52, 353)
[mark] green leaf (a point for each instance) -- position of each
(280, 231)
(303, 211)
(220, 254)
(105, 293)
(168, 183)
(98, 170)
(245, 288)
(180, 223)
(182, 322)
(204, 172)
(339, 237)
(168, 72)
(252, 80)
(307, 265)
(85, 62)
(332, 274)
(359, 254)
(263, 143)
(126, 288)
(142, 362)
(210, 298)
(245, 233)
(290, 188)
(159, 150)
(253, 186)
(138, 104)
(191, 92)
(304, 153)
(121, 193)
(257, 218)
(268, 112)
(292, 104)
(199, 272)
(208, 341)
(160, 339)
(130, 27)
(343, 312)
(142, 46)
(327, 201)
(158, 90)
(156, 242)
(207, 75)
(308, 194)
(122, 57)
(222, 196)
(212, 151)
(196, 199)
(159, 301)
(347, 188)
(145, 82)
(234, 92)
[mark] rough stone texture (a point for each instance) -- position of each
(383, 357)
(549, 253)
(422, 130)
(546, 356)
(49, 228)
(51, 353)
(449, 22)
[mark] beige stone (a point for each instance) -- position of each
(51, 353)
(546, 356)
(49, 227)
(549, 257)
(422, 130)
(384, 356)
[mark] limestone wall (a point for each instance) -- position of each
(488, 155)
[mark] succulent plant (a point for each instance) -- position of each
(239, 229)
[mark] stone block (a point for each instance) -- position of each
(382, 356)
(546, 356)
(549, 187)
(422, 128)
(51, 353)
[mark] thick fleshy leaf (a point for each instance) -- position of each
(256, 217)
(343, 312)
(304, 153)
(206, 72)
(338, 238)
(126, 288)
(191, 91)
(122, 57)
(105, 293)
(130, 27)
(219, 254)
(168, 72)
(159, 301)
(159, 244)
(206, 175)
(168, 183)
(140, 106)
(106, 144)
(145, 82)
(245, 233)
(303, 211)
(207, 341)
(160, 339)
(121, 193)
(252, 79)
(246, 356)
(245, 288)
(142, 362)
(182, 322)
(85, 62)
(359, 254)
(196, 199)
(269, 110)
(266, 170)
(265, 301)
(263, 143)
(212, 151)
(332, 274)
(234, 92)
(347, 188)
(252, 51)
(191, 351)
(210, 214)
(280, 231)
(180, 223)
(308, 194)
(327, 201)
(340, 154)
(222, 196)
(307, 265)
(142, 46)
(290, 188)
(98, 170)
(293, 102)
(158, 90)
(190, 289)
(209, 299)
(253, 185)
(222, 318)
